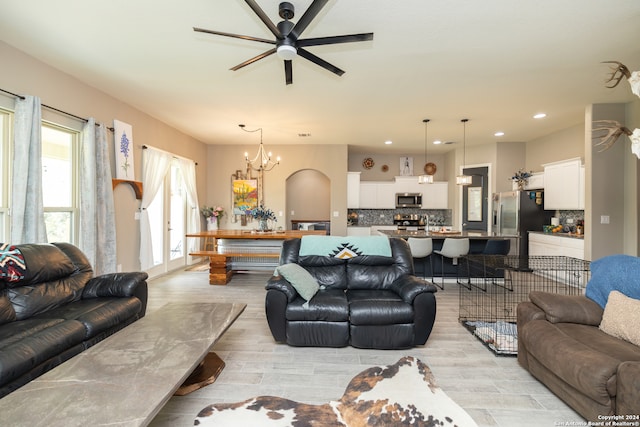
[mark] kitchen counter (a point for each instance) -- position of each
(471, 235)
(567, 235)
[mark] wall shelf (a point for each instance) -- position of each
(136, 185)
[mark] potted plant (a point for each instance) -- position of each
(263, 215)
(213, 215)
(521, 177)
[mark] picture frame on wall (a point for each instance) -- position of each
(123, 143)
(406, 166)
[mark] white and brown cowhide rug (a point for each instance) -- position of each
(402, 394)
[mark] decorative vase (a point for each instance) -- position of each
(262, 225)
(212, 223)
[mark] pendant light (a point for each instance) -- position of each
(464, 179)
(424, 178)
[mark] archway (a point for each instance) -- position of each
(308, 199)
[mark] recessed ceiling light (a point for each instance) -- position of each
(388, 142)
(540, 116)
(437, 142)
(500, 133)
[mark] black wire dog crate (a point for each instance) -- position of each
(495, 285)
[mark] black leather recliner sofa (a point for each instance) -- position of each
(366, 301)
(57, 309)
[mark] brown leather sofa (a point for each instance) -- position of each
(560, 344)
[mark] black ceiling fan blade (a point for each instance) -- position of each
(288, 72)
(349, 38)
(237, 36)
(308, 16)
(264, 18)
(254, 59)
(318, 61)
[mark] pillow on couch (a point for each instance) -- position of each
(300, 279)
(621, 318)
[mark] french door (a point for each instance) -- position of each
(168, 222)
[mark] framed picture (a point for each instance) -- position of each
(474, 203)
(245, 195)
(123, 135)
(406, 166)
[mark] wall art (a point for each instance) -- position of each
(123, 142)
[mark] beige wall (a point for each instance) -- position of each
(510, 158)
(25, 75)
(330, 160)
(565, 144)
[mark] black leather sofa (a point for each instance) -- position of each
(366, 301)
(57, 309)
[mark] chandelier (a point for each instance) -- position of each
(262, 161)
(463, 179)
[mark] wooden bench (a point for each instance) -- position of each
(220, 270)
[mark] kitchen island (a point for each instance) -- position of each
(439, 267)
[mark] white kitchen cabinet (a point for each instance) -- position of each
(386, 195)
(368, 195)
(436, 195)
(554, 245)
(353, 190)
(564, 185)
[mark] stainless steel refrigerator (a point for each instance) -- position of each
(515, 213)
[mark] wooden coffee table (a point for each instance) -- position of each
(127, 378)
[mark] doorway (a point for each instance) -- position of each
(308, 197)
(168, 222)
(475, 200)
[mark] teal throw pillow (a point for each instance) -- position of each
(300, 279)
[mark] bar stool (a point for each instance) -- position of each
(421, 248)
(454, 249)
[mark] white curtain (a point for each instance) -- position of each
(188, 169)
(27, 211)
(155, 165)
(97, 215)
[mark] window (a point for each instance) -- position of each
(59, 183)
(5, 171)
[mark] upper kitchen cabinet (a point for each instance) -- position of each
(386, 195)
(564, 185)
(435, 196)
(353, 190)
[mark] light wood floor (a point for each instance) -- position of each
(493, 389)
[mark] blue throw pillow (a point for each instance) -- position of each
(300, 279)
(614, 273)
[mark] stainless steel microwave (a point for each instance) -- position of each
(408, 200)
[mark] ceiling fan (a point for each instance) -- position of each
(287, 42)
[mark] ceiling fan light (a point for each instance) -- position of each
(287, 52)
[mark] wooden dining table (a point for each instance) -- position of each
(221, 258)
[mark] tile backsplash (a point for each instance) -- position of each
(369, 217)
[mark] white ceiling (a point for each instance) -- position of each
(496, 62)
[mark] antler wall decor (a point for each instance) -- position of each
(619, 71)
(607, 132)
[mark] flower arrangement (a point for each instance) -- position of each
(262, 213)
(211, 213)
(521, 177)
